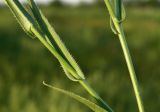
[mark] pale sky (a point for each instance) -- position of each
(74, 2)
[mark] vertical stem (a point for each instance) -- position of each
(130, 68)
(125, 48)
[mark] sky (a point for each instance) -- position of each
(76, 1)
(72, 2)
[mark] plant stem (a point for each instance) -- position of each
(82, 82)
(95, 95)
(129, 62)
(121, 35)
(131, 70)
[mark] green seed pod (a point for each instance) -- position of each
(118, 9)
(22, 16)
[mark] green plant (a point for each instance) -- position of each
(117, 13)
(37, 26)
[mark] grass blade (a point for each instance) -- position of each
(86, 102)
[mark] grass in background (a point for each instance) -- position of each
(21, 73)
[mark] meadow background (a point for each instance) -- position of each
(25, 63)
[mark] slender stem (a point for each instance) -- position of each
(24, 18)
(82, 82)
(95, 95)
(53, 51)
(121, 35)
(130, 68)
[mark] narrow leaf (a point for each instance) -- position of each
(86, 102)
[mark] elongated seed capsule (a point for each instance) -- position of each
(118, 9)
(22, 16)
(49, 30)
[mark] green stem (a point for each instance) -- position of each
(82, 82)
(130, 68)
(95, 95)
(53, 51)
(122, 38)
(42, 30)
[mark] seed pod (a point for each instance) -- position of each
(54, 38)
(22, 16)
(118, 9)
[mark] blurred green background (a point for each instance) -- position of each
(25, 63)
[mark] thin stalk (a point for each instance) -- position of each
(122, 38)
(38, 31)
(84, 84)
(131, 69)
(53, 51)
(101, 102)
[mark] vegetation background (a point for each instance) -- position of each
(85, 29)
